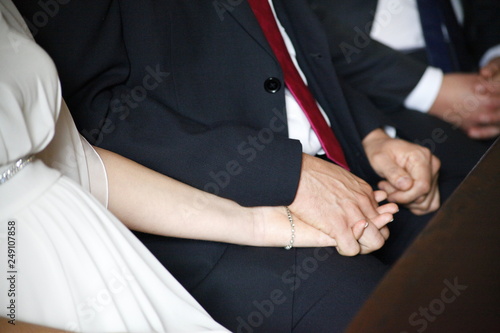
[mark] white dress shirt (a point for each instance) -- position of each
(299, 127)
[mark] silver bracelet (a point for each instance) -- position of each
(290, 218)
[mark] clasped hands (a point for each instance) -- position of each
(346, 210)
(471, 101)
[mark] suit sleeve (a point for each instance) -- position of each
(386, 75)
(366, 114)
(481, 25)
(114, 103)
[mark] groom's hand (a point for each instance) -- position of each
(340, 204)
(410, 171)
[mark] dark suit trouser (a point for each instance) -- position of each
(250, 289)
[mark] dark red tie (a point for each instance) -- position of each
(295, 84)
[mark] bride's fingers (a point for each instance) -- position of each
(308, 236)
(385, 232)
(359, 228)
(372, 239)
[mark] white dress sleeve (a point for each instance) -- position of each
(75, 158)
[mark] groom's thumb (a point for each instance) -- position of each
(397, 176)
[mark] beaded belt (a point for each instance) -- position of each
(15, 168)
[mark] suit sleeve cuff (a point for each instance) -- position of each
(425, 92)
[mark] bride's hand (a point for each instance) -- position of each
(272, 228)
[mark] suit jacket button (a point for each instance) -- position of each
(272, 85)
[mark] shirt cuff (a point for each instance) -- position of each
(492, 53)
(390, 131)
(425, 93)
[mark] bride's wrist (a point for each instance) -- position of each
(271, 226)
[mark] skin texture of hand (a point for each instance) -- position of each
(339, 204)
(471, 102)
(308, 236)
(410, 171)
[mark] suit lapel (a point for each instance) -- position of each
(244, 15)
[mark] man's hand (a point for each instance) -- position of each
(491, 71)
(340, 204)
(411, 171)
(470, 102)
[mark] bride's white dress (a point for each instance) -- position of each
(72, 265)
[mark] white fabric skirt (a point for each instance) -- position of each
(74, 266)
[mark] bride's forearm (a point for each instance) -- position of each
(147, 201)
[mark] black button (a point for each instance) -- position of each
(272, 85)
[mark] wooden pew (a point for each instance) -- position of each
(449, 278)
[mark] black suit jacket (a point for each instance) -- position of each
(481, 25)
(365, 63)
(180, 86)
